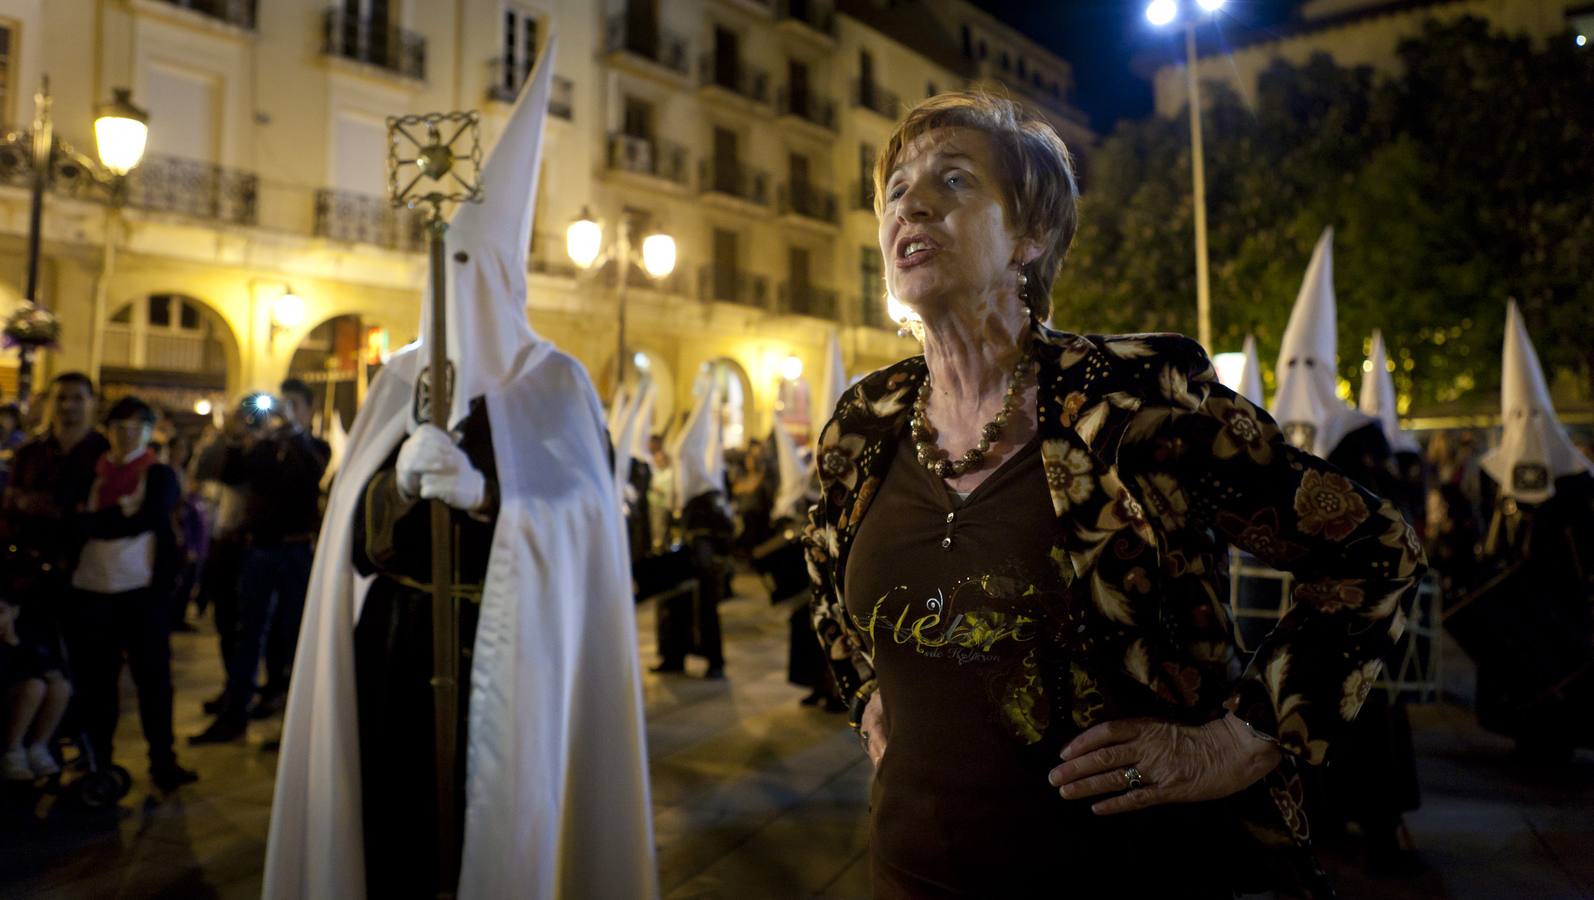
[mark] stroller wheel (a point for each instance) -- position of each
(122, 778)
(96, 790)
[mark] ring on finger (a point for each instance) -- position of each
(1134, 779)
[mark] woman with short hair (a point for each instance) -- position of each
(1018, 556)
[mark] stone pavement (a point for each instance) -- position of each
(755, 796)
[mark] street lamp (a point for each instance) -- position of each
(584, 244)
(1161, 13)
(120, 131)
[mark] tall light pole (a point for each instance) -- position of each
(1165, 12)
(120, 132)
(584, 244)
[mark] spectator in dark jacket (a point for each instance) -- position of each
(120, 590)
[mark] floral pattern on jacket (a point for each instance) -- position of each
(1153, 468)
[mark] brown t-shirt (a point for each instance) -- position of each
(964, 607)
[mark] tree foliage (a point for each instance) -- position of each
(1466, 180)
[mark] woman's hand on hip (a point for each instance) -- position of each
(872, 729)
(1174, 763)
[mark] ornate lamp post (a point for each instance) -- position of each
(121, 131)
(584, 244)
(1168, 12)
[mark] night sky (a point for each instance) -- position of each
(1101, 38)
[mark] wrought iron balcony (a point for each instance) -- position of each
(733, 179)
(726, 283)
(806, 105)
(820, 17)
(799, 199)
(871, 96)
(363, 219)
(872, 312)
(363, 40)
(240, 13)
(863, 195)
(733, 75)
(807, 300)
(507, 76)
(194, 189)
(647, 156)
(655, 45)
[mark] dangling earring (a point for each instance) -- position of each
(1023, 284)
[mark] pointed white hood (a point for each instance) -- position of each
(619, 408)
(1534, 448)
(338, 444)
(1307, 407)
(1377, 398)
(699, 458)
(835, 384)
(622, 437)
(795, 474)
(487, 243)
(643, 431)
(1250, 386)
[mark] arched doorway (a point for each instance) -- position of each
(338, 359)
(172, 350)
(735, 400)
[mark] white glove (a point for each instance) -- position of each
(430, 466)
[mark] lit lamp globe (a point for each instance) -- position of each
(120, 132)
(288, 310)
(584, 240)
(1161, 12)
(791, 368)
(658, 255)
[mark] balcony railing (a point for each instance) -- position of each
(240, 13)
(363, 219)
(863, 195)
(733, 75)
(363, 40)
(733, 179)
(655, 45)
(807, 300)
(647, 156)
(805, 200)
(871, 96)
(806, 105)
(507, 76)
(821, 17)
(194, 189)
(729, 284)
(872, 308)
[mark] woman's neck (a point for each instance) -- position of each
(971, 349)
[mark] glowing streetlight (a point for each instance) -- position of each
(120, 132)
(584, 240)
(1210, 6)
(202, 407)
(287, 311)
(658, 255)
(1161, 12)
(791, 368)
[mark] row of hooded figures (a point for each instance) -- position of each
(545, 493)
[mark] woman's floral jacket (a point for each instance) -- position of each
(1153, 468)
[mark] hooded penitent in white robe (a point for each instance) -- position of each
(1534, 447)
(622, 436)
(836, 384)
(791, 489)
(643, 432)
(1377, 398)
(338, 447)
(556, 792)
(1307, 406)
(1250, 386)
(698, 456)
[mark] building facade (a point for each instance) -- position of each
(1359, 33)
(742, 128)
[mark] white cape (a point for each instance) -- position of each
(556, 791)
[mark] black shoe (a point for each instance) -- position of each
(214, 705)
(715, 673)
(269, 704)
(221, 731)
(813, 699)
(668, 668)
(170, 776)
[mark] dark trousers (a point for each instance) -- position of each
(690, 623)
(271, 587)
(99, 629)
(398, 766)
(219, 588)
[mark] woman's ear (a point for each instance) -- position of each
(1026, 251)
